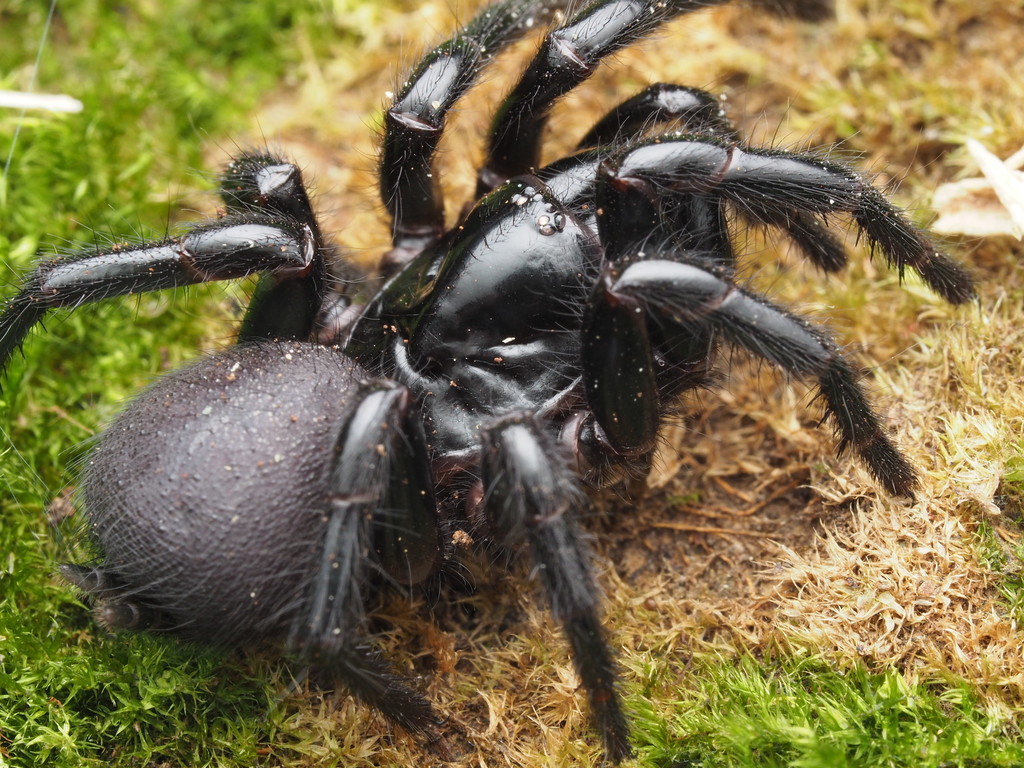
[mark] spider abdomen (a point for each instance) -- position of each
(206, 496)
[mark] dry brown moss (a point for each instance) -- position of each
(754, 535)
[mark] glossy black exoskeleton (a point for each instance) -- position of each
(506, 365)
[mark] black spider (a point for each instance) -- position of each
(507, 364)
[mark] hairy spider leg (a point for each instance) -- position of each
(114, 607)
(568, 55)
(691, 222)
(530, 498)
(695, 110)
(415, 121)
(260, 182)
(380, 498)
(764, 185)
(698, 112)
(690, 299)
(284, 305)
(233, 247)
(807, 10)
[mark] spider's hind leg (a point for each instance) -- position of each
(113, 604)
(380, 522)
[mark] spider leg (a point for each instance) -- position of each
(530, 496)
(285, 305)
(696, 110)
(260, 182)
(765, 185)
(807, 10)
(379, 499)
(692, 299)
(414, 122)
(114, 606)
(229, 248)
(567, 56)
(690, 222)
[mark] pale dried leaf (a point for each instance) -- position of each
(992, 204)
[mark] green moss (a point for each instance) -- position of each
(156, 80)
(1010, 494)
(1003, 556)
(132, 701)
(791, 712)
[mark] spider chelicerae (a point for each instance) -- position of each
(351, 440)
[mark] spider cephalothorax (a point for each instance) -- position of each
(506, 365)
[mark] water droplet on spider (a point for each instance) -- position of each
(548, 224)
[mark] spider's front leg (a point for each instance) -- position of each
(766, 186)
(691, 110)
(415, 121)
(620, 368)
(229, 248)
(531, 497)
(567, 57)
